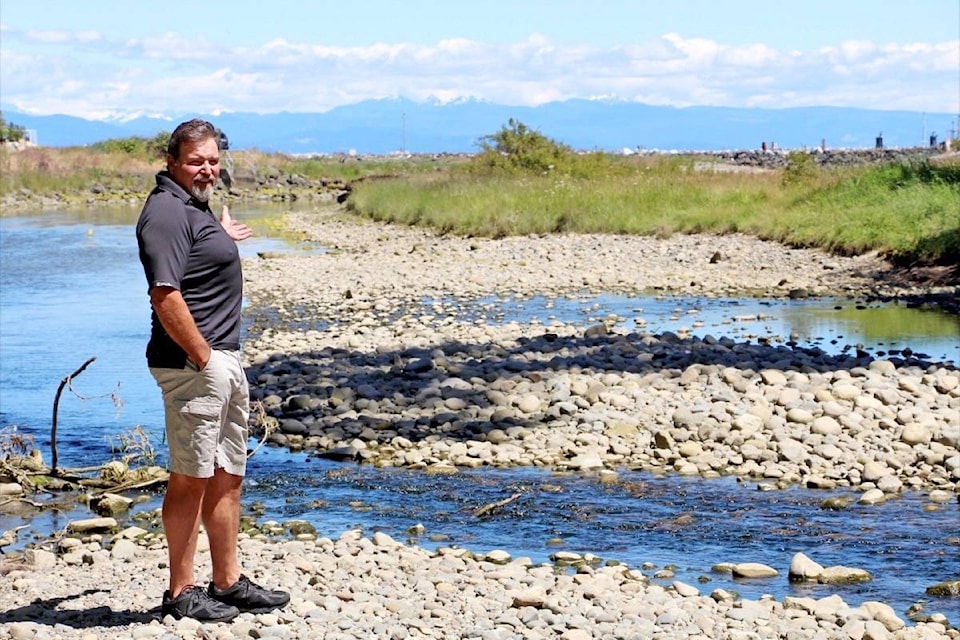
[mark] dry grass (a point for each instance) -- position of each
(75, 160)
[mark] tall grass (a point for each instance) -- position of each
(257, 164)
(903, 211)
(73, 170)
(900, 211)
(499, 206)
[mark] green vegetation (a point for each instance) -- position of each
(907, 211)
(10, 132)
(71, 171)
(135, 146)
(517, 150)
(334, 167)
(801, 168)
(521, 182)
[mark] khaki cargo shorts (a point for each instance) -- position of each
(206, 415)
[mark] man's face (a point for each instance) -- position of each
(197, 169)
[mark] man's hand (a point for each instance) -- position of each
(179, 324)
(236, 230)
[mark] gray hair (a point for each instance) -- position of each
(191, 131)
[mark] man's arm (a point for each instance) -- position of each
(176, 320)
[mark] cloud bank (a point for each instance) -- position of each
(85, 74)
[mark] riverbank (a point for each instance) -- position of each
(346, 360)
(374, 587)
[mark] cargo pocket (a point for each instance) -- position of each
(200, 409)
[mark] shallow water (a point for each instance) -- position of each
(688, 523)
(71, 288)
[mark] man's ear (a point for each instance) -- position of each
(170, 161)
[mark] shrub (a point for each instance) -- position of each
(158, 146)
(10, 132)
(801, 168)
(518, 150)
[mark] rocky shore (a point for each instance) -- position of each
(358, 587)
(349, 362)
(376, 349)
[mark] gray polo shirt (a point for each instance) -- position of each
(183, 246)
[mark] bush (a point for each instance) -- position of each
(146, 148)
(10, 132)
(945, 173)
(518, 150)
(158, 145)
(801, 168)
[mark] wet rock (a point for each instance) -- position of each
(843, 575)
(803, 568)
(90, 525)
(111, 504)
(10, 489)
(298, 528)
(946, 589)
(753, 570)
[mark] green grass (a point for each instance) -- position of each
(903, 211)
(906, 212)
(341, 167)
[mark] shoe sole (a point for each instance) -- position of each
(180, 616)
(263, 609)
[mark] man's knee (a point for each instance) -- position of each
(180, 483)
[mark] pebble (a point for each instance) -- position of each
(344, 356)
(376, 587)
(695, 406)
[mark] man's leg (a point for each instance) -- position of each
(221, 518)
(181, 521)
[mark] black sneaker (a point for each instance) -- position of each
(249, 596)
(194, 602)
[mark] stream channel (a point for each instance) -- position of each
(71, 288)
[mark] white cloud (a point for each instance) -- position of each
(83, 74)
(61, 37)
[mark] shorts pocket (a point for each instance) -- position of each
(202, 408)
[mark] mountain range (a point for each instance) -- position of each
(392, 125)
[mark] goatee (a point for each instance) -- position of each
(201, 194)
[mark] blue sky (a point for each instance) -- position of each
(101, 59)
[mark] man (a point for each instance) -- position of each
(195, 284)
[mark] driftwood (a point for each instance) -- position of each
(129, 486)
(261, 419)
(56, 407)
(482, 511)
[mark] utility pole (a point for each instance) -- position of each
(403, 133)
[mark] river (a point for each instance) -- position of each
(71, 288)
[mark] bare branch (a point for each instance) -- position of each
(56, 406)
(482, 511)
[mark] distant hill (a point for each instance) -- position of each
(385, 126)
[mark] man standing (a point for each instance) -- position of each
(195, 284)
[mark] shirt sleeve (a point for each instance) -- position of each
(165, 239)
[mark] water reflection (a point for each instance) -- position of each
(832, 325)
(887, 327)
